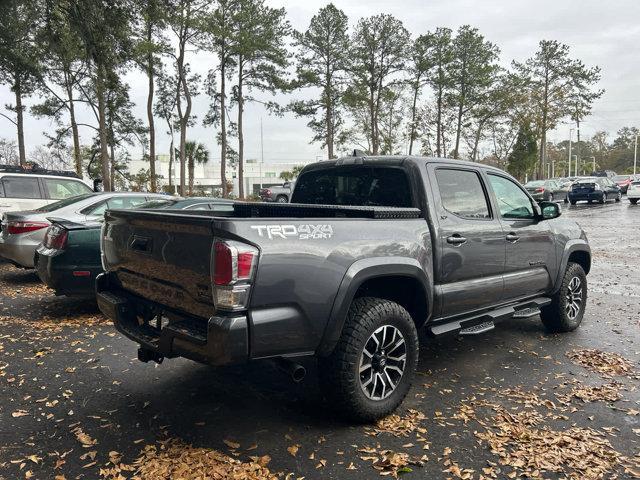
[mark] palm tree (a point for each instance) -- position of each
(195, 153)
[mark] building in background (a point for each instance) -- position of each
(207, 176)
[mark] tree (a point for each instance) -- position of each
(18, 57)
(525, 151)
(552, 79)
(261, 59)
(219, 27)
(196, 153)
(165, 108)
(150, 44)
(392, 114)
(473, 72)
(419, 70)
(9, 152)
(62, 72)
(104, 28)
(185, 21)
(288, 175)
(322, 63)
(379, 51)
(441, 56)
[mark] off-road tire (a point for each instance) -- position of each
(555, 316)
(339, 372)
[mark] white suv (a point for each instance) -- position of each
(633, 192)
(28, 191)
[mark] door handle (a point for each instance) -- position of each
(456, 239)
(512, 237)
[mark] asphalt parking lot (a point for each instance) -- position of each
(514, 403)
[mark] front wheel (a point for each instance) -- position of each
(618, 197)
(281, 199)
(573, 202)
(566, 310)
(633, 201)
(370, 371)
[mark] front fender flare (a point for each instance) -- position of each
(576, 245)
(359, 272)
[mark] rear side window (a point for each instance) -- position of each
(115, 203)
(59, 189)
(462, 194)
(358, 186)
(21, 187)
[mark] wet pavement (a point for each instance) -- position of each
(515, 402)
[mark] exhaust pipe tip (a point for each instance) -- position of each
(296, 371)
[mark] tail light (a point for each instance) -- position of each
(15, 227)
(56, 238)
(540, 189)
(232, 271)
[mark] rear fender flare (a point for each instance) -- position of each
(358, 273)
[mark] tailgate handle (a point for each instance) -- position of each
(140, 244)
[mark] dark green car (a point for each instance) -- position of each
(68, 260)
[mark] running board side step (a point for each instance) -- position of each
(483, 322)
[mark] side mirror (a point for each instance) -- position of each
(550, 210)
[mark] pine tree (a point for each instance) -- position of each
(524, 155)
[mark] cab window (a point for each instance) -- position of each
(512, 201)
(462, 194)
(60, 188)
(21, 187)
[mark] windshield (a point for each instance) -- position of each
(64, 203)
(620, 178)
(586, 180)
(535, 183)
(358, 186)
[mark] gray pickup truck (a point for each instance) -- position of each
(276, 193)
(371, 250)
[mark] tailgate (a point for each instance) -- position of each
(163, 257)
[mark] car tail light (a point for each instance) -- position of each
(233, 269)
(56, 238)
(15, 227)
(540, 189)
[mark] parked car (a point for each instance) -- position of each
(277, 193)
(623, 181)
(633, 192)
(604, 173)
(546, 190)
(22, 232)
(68, 260)
(24, 189)
(364, 256)
(598, 189)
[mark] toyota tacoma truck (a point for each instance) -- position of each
(370, 251)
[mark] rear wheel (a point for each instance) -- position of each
(603, 199)
(633, 201)
(370, 371)
(618, 197)
(566, 310)
(281, 199)
(573, 202)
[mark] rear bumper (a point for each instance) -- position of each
(593, 196)
(61, 278)
(21, 253)
(219, 340)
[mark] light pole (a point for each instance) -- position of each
(635, 155)
(570, 131)
(575, 161)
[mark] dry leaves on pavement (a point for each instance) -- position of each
(605, 363)
(399, 426)
(174, 459)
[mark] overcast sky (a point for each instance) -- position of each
(603, 33)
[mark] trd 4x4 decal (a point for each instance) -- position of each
(302, 232)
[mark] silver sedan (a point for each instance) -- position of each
(22, 232)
